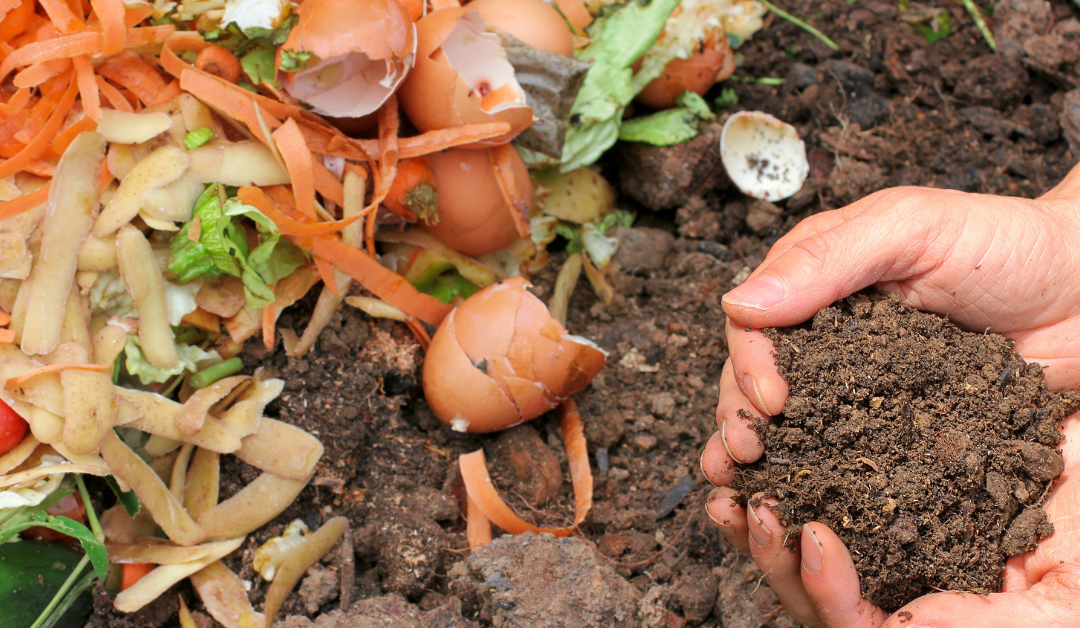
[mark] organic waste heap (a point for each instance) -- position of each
(927, 449)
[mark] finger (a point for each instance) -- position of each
(831, 582)
(808, 227)
(856, 253)
(1055, 348)
(755, 368)
(769, 547)
(997, 610)
(716, 464)
(729, 516)
(734, 416)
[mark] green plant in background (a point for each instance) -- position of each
(977, 15)
(801, 24)
(728, 98)
(932, 23)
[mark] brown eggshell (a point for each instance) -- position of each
(434, 96)
(459, 394)
(563, 365)
(531, 398)
(473, 217)
(485, 326)
(381, 29)
(714, 63)
(534, 22)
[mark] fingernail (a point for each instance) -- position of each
(758, 532)
(812, 557)
(723, 439)
(760, 293)
(750, 386)
(725, 528)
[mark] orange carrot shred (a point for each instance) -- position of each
(68, 135)
(380, 280)
(41, 168)
(7, 336)
(113, 95)
(5, 318)
(435, 141)
(24, 203)
(61, 15)
(58, 48)
(88, 87)
(290, 226)
(477, 526)
(327, 184)
(40, 72)
(502, 164)
(326, 273)
(172, 90)
(130, 573)
(14, 17)
(22, 378)
(480, 489)
(268, 323)
(35, 147)
(220, 62)
(297, 158)
(17, 102)
(130, 71)
(369, 233)
(421, 334)
(111, 13)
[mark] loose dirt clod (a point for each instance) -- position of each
(926, 448)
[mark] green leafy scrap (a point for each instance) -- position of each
(449, 286)
(727, 99)
(198, 137)
(672, 126)
(36, 516)
(259, 65)
(128, 499)
(620, 36)
(294, 60)
(255, 47)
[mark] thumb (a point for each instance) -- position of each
(969, 610)
(886, 240)
(1068, 189)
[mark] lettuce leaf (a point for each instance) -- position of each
(620, 36)
(673, 126)
(136, 363)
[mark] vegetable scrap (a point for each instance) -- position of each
(176, 176)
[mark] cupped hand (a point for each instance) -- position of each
(988, 263)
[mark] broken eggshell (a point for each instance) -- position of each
(462, 76)
(714, 61)
(534, 22)
(361, 52)
(499, 359)
(764, 157)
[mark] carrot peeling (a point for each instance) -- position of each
(130, 573)
(297, 158)
(113, 95)
(46, 133)
(477, 526)
(40, 72)
(421, 334)
(22, 378)
(7, 336)
(89, 94)
(68, 135)
(220, 62)
(482, 491)
(111, 14)
(268, 323)
(289, 226)
(24, 203)
(61, 16)
(504, 173)
(412, 192)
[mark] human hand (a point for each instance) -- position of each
(1007, 265)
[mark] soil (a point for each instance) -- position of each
(927, 449)
(889, 108)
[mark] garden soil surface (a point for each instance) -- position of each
(889, 108)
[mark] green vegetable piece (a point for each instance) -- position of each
(198, 137)
(258, 64)
(128, 499)
(211, 374)
(294, 60)
(31, 574)
(572, 233)
(619, 37)
(673, 126)
(94, 548)
(448, 286)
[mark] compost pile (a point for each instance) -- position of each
(926, 448)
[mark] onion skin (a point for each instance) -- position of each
(473, 215)
(499, 359)
(714, 62)
(434, 96)
(534, 22)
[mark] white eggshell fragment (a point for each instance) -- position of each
(763, 156)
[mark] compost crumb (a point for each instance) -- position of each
(928, 449)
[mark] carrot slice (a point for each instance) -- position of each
(88, 87)
(502, 164)
(268, 321)
(477, 526)
(435, 141)
(130, 71)
(61, 16)
(327, 184)
(18, 380)
(420, 333)
(380, 280)
(16, 19)
(35, 147)
(24, 203)
(17, 102)
(326, 273)
(85, 43)
(481, 490)
(111, 14)
(130, 573)
(5, 318)
(220, 62)
(258, 199)
(297, 158)
(113, 95)
(68, 135)
(7, 336)
(41, 168)
(40, 72)
(172, 90)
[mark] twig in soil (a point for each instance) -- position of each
(801, 24)
(976, 14)
(348, 571)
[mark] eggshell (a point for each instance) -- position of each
(534, 22)
(461, 395)
(436, 95)
(715, 62)
(763, 156)
(473, 217)
(362, 53)
(537, 345)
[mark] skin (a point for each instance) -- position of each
(988, 263)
